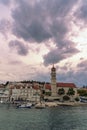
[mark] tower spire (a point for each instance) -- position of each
(53, 81)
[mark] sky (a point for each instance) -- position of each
(36, 34)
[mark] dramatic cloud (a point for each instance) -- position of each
(58, 54)
(38, 32)
(53, 57)
(33, 28)
(38, 23)
(19, 46)
(50, 30)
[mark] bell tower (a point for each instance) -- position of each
(53, 82)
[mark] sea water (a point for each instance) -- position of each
(58, 118)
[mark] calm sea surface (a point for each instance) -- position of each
(60, 118)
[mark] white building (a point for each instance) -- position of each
(24, 91)
(4, 94)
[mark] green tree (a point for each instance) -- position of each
(61, 91)
(70, 91)
(82, 92)
(48, 93)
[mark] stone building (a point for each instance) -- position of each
(53, 82)
(59, 90)
(23, 91)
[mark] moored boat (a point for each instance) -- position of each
(83, 99)
(27, 105)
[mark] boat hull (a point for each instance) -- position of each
(24, 106)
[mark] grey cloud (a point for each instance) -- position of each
(27, 24)
(38, 22)
(64, 68)
(58, 8)
(59, 29)
(79, 77)
(62, 76)
(45, 20)
(5, 2)
(38, 32)
(81, 13)
(58, 54)
(53, 56)
(82, 65)
(5, 26)
(15, 62)
(19, 46)
(67, 75)
(41, 77)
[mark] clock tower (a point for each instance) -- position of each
(53, 82)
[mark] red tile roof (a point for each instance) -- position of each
(13, 87)
(36, 87)
(63, 85)
(67, 85)
(18, 86)
(48, 86)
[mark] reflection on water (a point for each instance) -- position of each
(60, 118)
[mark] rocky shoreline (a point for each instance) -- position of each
(41, 105)
(55, 104)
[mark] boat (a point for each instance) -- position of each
(27, 105)
(1, 101)
(83, 99)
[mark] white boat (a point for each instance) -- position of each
(83, 99)
(1, 101)
(26, 105)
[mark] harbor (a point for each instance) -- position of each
(31, 94)
(61, 117)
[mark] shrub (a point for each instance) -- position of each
(82, 93)
(66, 98)
(48, 93)
(77, 99)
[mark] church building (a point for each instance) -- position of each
(59, 90)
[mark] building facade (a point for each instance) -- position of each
(60, 91)
(53, 82)
(24, 91)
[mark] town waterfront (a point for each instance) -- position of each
(57, 118)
